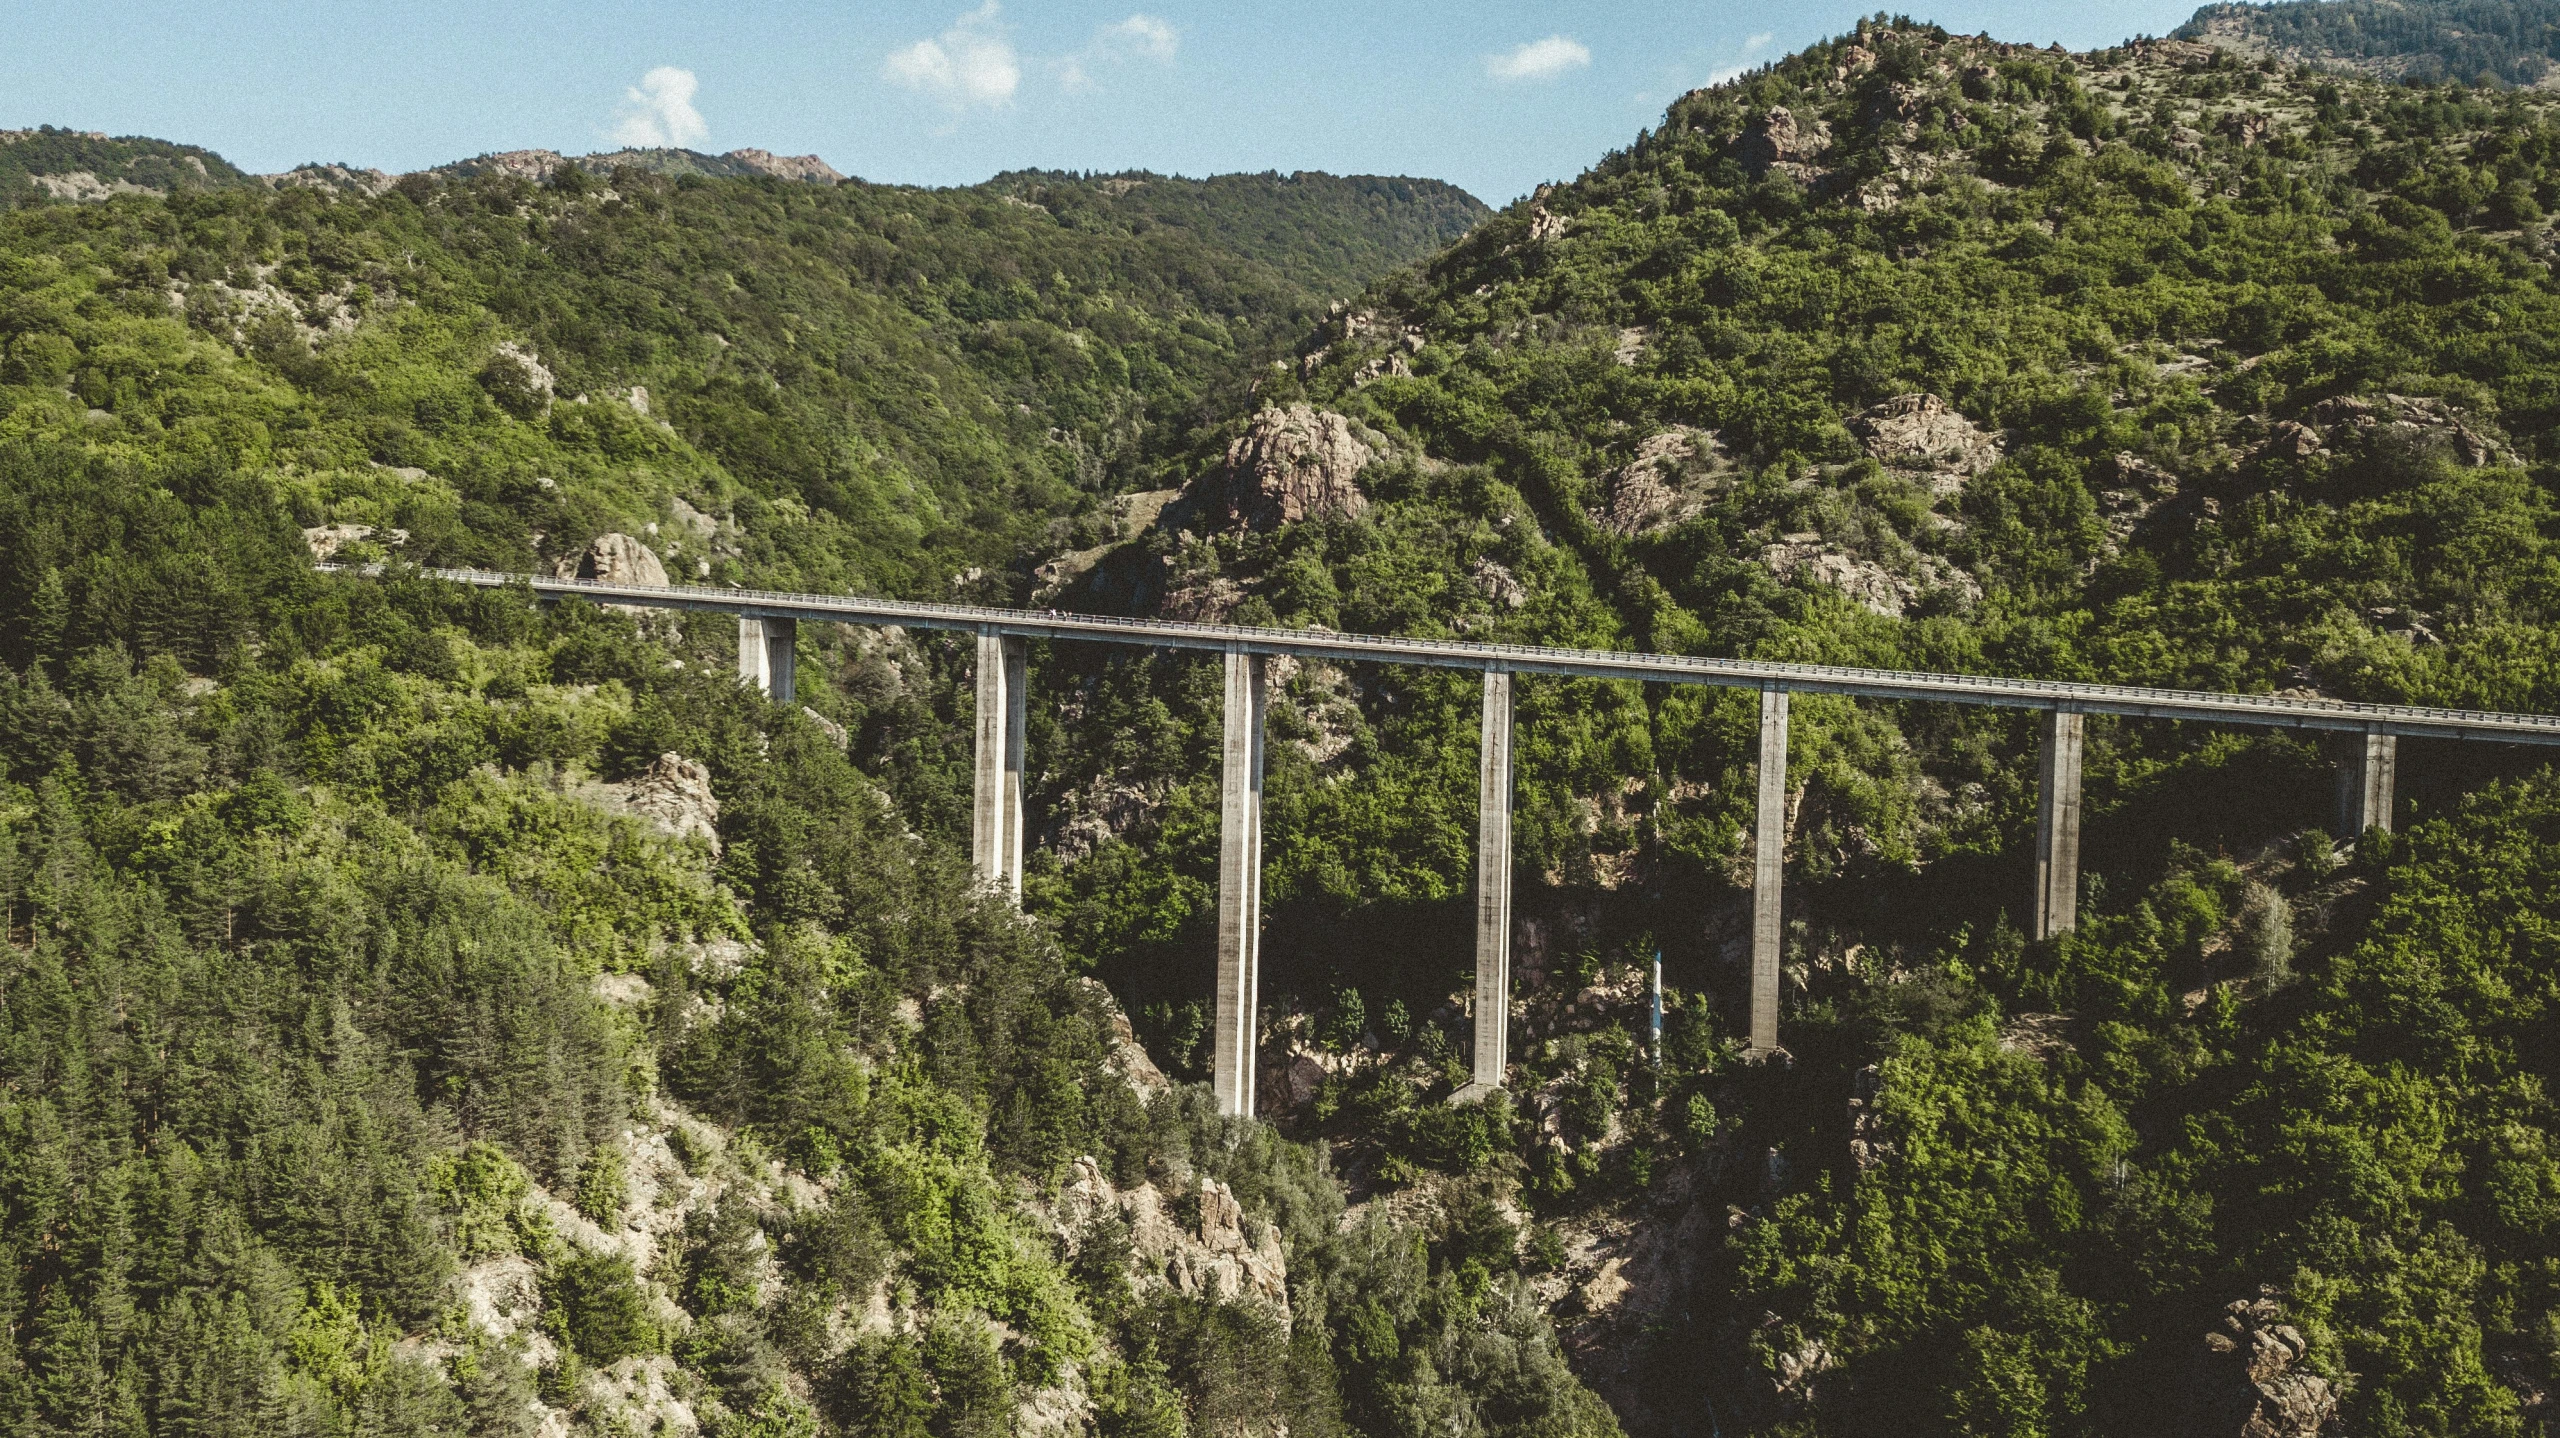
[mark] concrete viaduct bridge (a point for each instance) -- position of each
(768, 625)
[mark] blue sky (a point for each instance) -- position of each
(1493, 95)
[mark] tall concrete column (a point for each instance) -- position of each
(1493, 891)
(1239, 888)
(2366, 779)
(995, 820)
(767, 658)
(2055, 907)
(1768, 871)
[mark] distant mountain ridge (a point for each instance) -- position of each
(538, 164)
(2507, 42)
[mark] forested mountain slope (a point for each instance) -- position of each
(426, 1013)
(2147, 365)
(2493, 42)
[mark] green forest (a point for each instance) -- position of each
(437, 1011)
(2484, 42)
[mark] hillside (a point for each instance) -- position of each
(2147, 365)
(427, 1010)
(2495, 42)
(412, 1020)
(46, 164)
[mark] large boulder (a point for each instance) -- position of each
(1776, 140)
(2248, 1383)
(614, 559)
(1292, 464)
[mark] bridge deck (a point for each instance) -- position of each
(2260, 709)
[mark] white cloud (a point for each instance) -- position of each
(1750, 48)
(971, 64)
(1140, 37)
(1539, 59)
(658, 112)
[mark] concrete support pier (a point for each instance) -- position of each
(995, 817)
(2366, 779)
(1238, 1030)
(1768, 871)
(2055, 907)
(1493, 893)
(767, 656)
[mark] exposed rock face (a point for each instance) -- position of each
(327, 539)
(84, 186)
(1876, 588)
(673, 795)
(336, 179)
(2345, 420)
(1102, 810)
(788, 167)
(1777, 140)
(1670, 479)
(2247, 1384)
(1293, 464)
(518, 380)
(1210, 1259)
(614, 559)
(1128, 1057)
(1923, 434)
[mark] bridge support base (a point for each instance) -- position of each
(2365, 783)
(1493, 892)
(2056, 903)
(1238, 1030)
(995, 816)
(767, 656)
(1768, 871)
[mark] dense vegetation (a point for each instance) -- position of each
(128, 160)
(2266, 357)
(337, 1004)
(2486, 42)
(365, 1068)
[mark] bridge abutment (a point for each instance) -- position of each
(1493, 893)
(2056, 903)
(1239, 887)
(995, 821)
(2366, 780)
(1768, 871)
(768, 656)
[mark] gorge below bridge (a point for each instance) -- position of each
(767, 633)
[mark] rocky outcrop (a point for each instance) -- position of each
(1922, 435)
(2248, 1382)
(1673, 475)
(613, 559)
(518, 380)
(84, 187)
(1875, 588)
(673, 795)
(1776, 140)
(335, 179)
(327, 539)
(807, 168)
(2347, 420)
(1294, 464)
(1207, 1256)
(1128, 1057)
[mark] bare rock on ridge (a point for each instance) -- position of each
(1294, 464)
